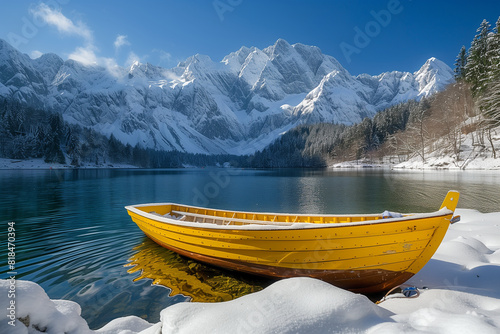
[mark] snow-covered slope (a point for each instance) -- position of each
(238, 105)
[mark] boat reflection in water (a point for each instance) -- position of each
(201, 282)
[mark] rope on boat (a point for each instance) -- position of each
(407, 291)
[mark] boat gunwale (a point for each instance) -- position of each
(261, 225)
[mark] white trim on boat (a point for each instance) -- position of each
(263, 226)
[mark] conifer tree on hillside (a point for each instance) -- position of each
(476, 69)
(460, 64)
(494, 52)
(489, 101)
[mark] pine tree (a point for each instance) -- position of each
(476, 68)
(53, 152)
(489, 101)
(493, 54)
(460, 64)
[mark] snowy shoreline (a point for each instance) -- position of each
(432, 163)
(489, 165)
(486, 164)
(471, 157)
(7, 164)
(461, 295)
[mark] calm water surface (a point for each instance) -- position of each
(75, 239)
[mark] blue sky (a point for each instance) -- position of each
(364, 36)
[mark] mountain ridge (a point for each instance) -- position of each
(238, 105)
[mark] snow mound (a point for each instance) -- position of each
(471, 250)
(296, 305)
(125, 325)
(35, 312)
(468, 258)
(442, 311)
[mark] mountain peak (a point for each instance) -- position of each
(7, 51)
(49, 57)
(435, 65)
(433, 76)
(235, 59)
(280, 47)
(199, 60)
(280, 42)
(48, 64)
(48, 60)
(5, 45)
(202, 106)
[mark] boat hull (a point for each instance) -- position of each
(362, 281)
(367, 256)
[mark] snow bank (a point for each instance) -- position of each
(472, 156)
(296, 305)
(31, 308)
(459, 294)
(33, 312)
(357, 164)
(462, 294)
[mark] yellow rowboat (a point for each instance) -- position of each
(361, 253)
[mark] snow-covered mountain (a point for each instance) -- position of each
(237, 106)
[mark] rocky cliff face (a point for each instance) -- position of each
(237, 106)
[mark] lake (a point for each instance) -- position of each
(75, 239)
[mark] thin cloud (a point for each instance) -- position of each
(120, 41)
(84, 55)
(164, 57)
(36, 54)
(132, 59)
(64, 25)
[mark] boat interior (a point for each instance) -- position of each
(223, 217)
